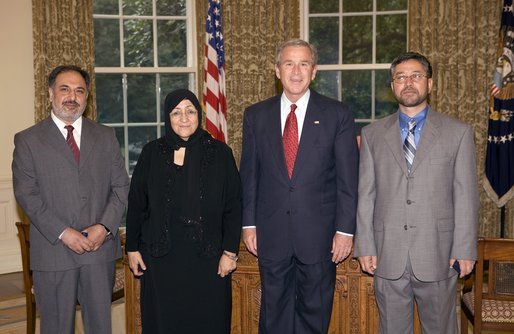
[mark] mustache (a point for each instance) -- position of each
(73, 103)
(409, 90)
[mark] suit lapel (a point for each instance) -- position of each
(310, 132)
(274, 135)
(87, 140)
(52, 135)
(429, 135)
(394, 141)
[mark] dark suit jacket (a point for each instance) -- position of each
(301, 215)
(56, 193)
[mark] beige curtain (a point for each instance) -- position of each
(62, 34)
(460, 39)
(252, 30)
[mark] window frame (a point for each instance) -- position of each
(304, 32)
(192, 67)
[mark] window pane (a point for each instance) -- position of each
(120, 135)
(155, 43)
(391, 5)
(109, 98)
(141, 98)
(391, 37)
(356, 92)
(324, 6)
(107, 43)
(357, 5)
(137, 137)
(172, 41)
(138, 43)
(170, 82)
(324, 32)
(171, 7)
(327, 83)
(137, 7)
(357, 40)
(105, 7)
(385, 103)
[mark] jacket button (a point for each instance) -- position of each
(409, 202)
(405, 227)
(288, 212)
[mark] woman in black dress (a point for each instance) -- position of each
(184, 225)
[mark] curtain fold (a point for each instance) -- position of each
(62, 34)
(251, 30)
(459, 38)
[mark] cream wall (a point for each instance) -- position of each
(17, 113)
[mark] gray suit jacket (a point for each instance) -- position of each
(430, 215)
(56, 193)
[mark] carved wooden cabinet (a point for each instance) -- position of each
(354, 308)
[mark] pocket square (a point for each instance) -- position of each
(316, 122)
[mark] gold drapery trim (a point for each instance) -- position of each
(251, 30)
(62, 34)
(460, 39)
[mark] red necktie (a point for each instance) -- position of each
(72, 143)
(290, 140)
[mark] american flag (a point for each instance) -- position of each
(499, 169)
(214, 74)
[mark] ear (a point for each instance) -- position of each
(430, 82)
(314, 71)
(277, 71)
(50, 94)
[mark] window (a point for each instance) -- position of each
(357, 41)
(143, 50)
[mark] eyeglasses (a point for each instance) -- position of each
(189, 113)
(402, 78)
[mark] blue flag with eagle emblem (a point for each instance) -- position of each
(499, 169)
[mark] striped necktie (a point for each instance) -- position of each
(409, 145)
(72, 143)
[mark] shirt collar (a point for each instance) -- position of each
(301, 104)
(419, 118)
(77, 125)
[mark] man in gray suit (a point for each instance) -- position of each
(72, 184)
(418, 205)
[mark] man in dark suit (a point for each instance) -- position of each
(418, 205)
(299, 169)
(72, 184)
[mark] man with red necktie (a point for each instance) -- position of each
(70, 180)
(299, 170)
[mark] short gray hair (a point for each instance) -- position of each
(296, 42)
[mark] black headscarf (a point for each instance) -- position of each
(172, 100)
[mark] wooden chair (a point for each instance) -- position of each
(24, 236)
(488, 295)
(30, 300)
